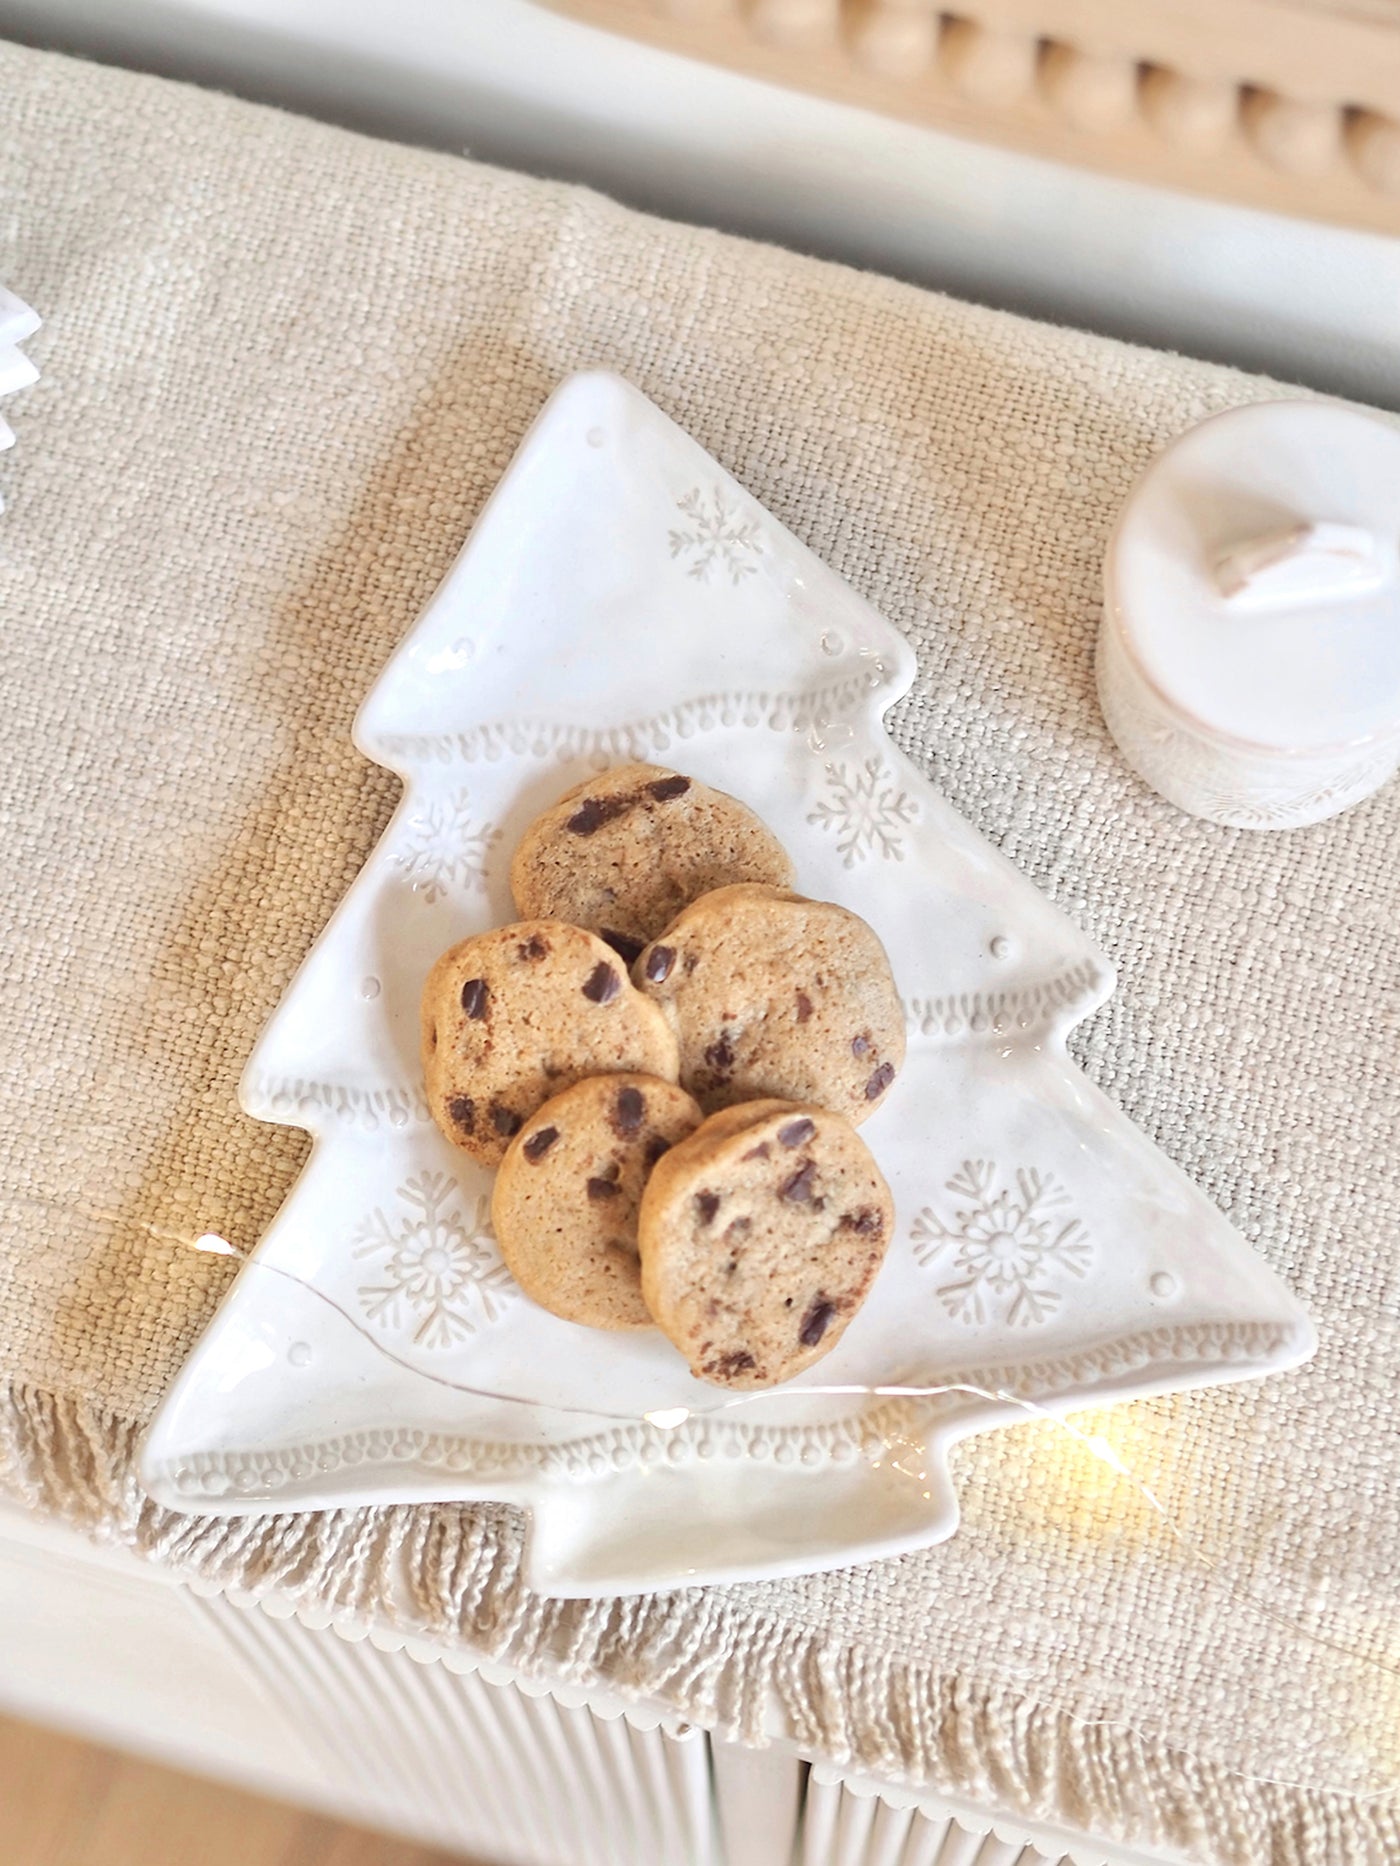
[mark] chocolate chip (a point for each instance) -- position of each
(739, 1228)
(602, 1189)
(799, 1189)
(814, 1322)
(720, 1054)
(867, 1221)
(505, 1120)
(593, 812)
(659, 962)
(463, 1112)
(707, 1204)
(539, 1144)
(535, 947)
(760, 1152)
(628, 1111)
(804, 1007)
(795, 1132)
(602, 984)
(623, 944)
(664, 789)
(656, 1146)
(879, 1082)
(860, 1046)
(474, 996)
(739, 1362)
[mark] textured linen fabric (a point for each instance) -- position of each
(283, 367)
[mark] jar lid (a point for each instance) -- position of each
(1254, 576)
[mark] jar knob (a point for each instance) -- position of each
(1303, 563)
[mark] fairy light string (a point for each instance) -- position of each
(668, 1419)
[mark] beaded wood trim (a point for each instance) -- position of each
(1286, 107)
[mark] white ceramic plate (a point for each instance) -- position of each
(622, 597)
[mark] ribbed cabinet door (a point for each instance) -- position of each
(480, 1767)
(843, 1827)
(510, 1775)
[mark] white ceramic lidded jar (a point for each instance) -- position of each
(1249, 656)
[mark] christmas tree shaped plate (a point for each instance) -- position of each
(621, 597)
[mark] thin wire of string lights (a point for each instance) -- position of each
(664, 1420)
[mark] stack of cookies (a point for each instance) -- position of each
(667, 1058)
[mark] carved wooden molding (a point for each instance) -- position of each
(1292, 105)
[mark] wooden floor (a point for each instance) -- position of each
(67, 1803)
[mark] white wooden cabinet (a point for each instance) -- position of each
(438, 1745)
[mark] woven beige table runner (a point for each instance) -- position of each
(283, 367)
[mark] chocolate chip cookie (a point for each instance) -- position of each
(770, 994)
(760, 1236)
(624, 852)
(566, 1197)
(513, 1016)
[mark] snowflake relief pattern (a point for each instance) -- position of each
(445, 848)
(718, 538)
(438, 1271)
(1008, 1249)
(866, 811)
